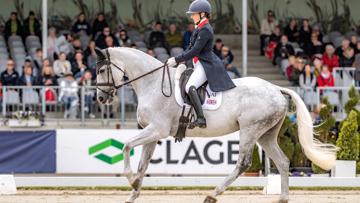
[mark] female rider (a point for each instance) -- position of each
(207, 66)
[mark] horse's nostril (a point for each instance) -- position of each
(101, 99)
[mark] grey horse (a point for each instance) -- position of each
(255, 108)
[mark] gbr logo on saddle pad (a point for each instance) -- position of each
(212, 100)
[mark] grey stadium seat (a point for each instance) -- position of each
(143, 49)
(163, 57)
(338, 41)
(326, 39)
(160, 50)
(176, 51)
(14, 38)
(333, 35)
(140, 44)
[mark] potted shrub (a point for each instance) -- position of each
(348, 144)
(256, 166)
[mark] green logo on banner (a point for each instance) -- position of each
(108, 143)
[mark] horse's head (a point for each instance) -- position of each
(108, 76)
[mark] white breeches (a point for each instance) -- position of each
(197, 78)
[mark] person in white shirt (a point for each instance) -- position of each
(69, 95)
(267, 28)
(62, 66)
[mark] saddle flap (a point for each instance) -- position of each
(184, 78)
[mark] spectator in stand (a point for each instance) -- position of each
(69, 95)
(78, 67)
(157, 37)
(32, 25)
(297, 71)
(273, 41)
(218, 47)
(282, 52)
(151, 53)
(276, 35)
(305, 34)
(109, 41)
(340, 50)
(86, 81)
(99, 25)
(124, 39)
(291, 31)
(27, 78)
(62, 66)
(47, 77)
(101, 40)
(330, 59)
(318, 63)
(348, 58)
(315, 47)
(228, 58)
(316, 29)
(64, 44)
(75, 47)
(325, 79)
(51, 43)
(307, 83)
(90, 55)
(187, 35)
(173, 37)
(357, 70)
(267, 28)
(38, 62)
(81, 26)
(10, 76)
(353, 41)
(291, 67)
(357, 49)
(13, 26)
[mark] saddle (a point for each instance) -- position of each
(184, 78)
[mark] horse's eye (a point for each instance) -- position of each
(101, 71)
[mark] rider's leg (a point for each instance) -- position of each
(195, 81)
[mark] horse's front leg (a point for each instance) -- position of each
(147, 152)
(148, 135)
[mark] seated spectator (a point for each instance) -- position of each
(357, 49)
(276, 35)
(297, 71)
(101, 40)
(357, 70)
(124, 39)
(316, 29)
(228, 58)
(282, 51)
(273, 41)
(78, 67)
(51, 43)
(291, 67)
(69, 95)
(32, 25)
(81, 26)
(157, 37)
(90, 55)
(109, 42)
(315, 47)
(340, 50)
(330, 59)
(76, 46)
(38, 61)
(318, 63)
(62, 66)
(307, 82)
(267, 28)
(64, 44)
(326, 79)
(10, 76)
(291, 31)
(353, 41)
(218, 47)
(27, 78)
(89, 94)
(187, 35)
(305, 34)
(47, 76)
(99, 25)
(348, 58)
(151, 53)
(13, 26)
(173, 37)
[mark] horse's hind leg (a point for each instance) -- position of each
(270, 145)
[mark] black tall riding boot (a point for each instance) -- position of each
(195, 100)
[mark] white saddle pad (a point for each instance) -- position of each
(211, 103)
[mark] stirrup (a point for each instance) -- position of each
(197, 123)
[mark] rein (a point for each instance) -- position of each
(115, 87)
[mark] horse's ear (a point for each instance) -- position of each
(100, 55)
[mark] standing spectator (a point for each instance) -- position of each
(13, 26)
(81, 26)
(32, 25)
(51, 43)
(228, 58)
(347, 59)
(357, 70)
(267, 28)
(69, 95)
(307, 83)
(218, 47)
(62, 66)
(187, 35)
(86, 81)
(340, 50)
(282, 51)
(27, 78)
(330, 59)
(305, 34)
(90, 55)
(291, 31)
(157, 37)
(10, 76)
(124, 39)
(78, 66)
(101, 40)
(173, 37)
(99, 25)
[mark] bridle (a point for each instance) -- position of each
(110, 77)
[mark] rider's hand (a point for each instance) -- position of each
(171, 62)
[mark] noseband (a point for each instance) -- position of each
(110, 77)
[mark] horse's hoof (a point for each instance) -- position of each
(210, 199)
(282, 201)
(135, 183)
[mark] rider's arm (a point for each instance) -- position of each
(203, 37)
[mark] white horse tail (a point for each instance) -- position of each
(321, 154)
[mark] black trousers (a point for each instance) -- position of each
(262, 43)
